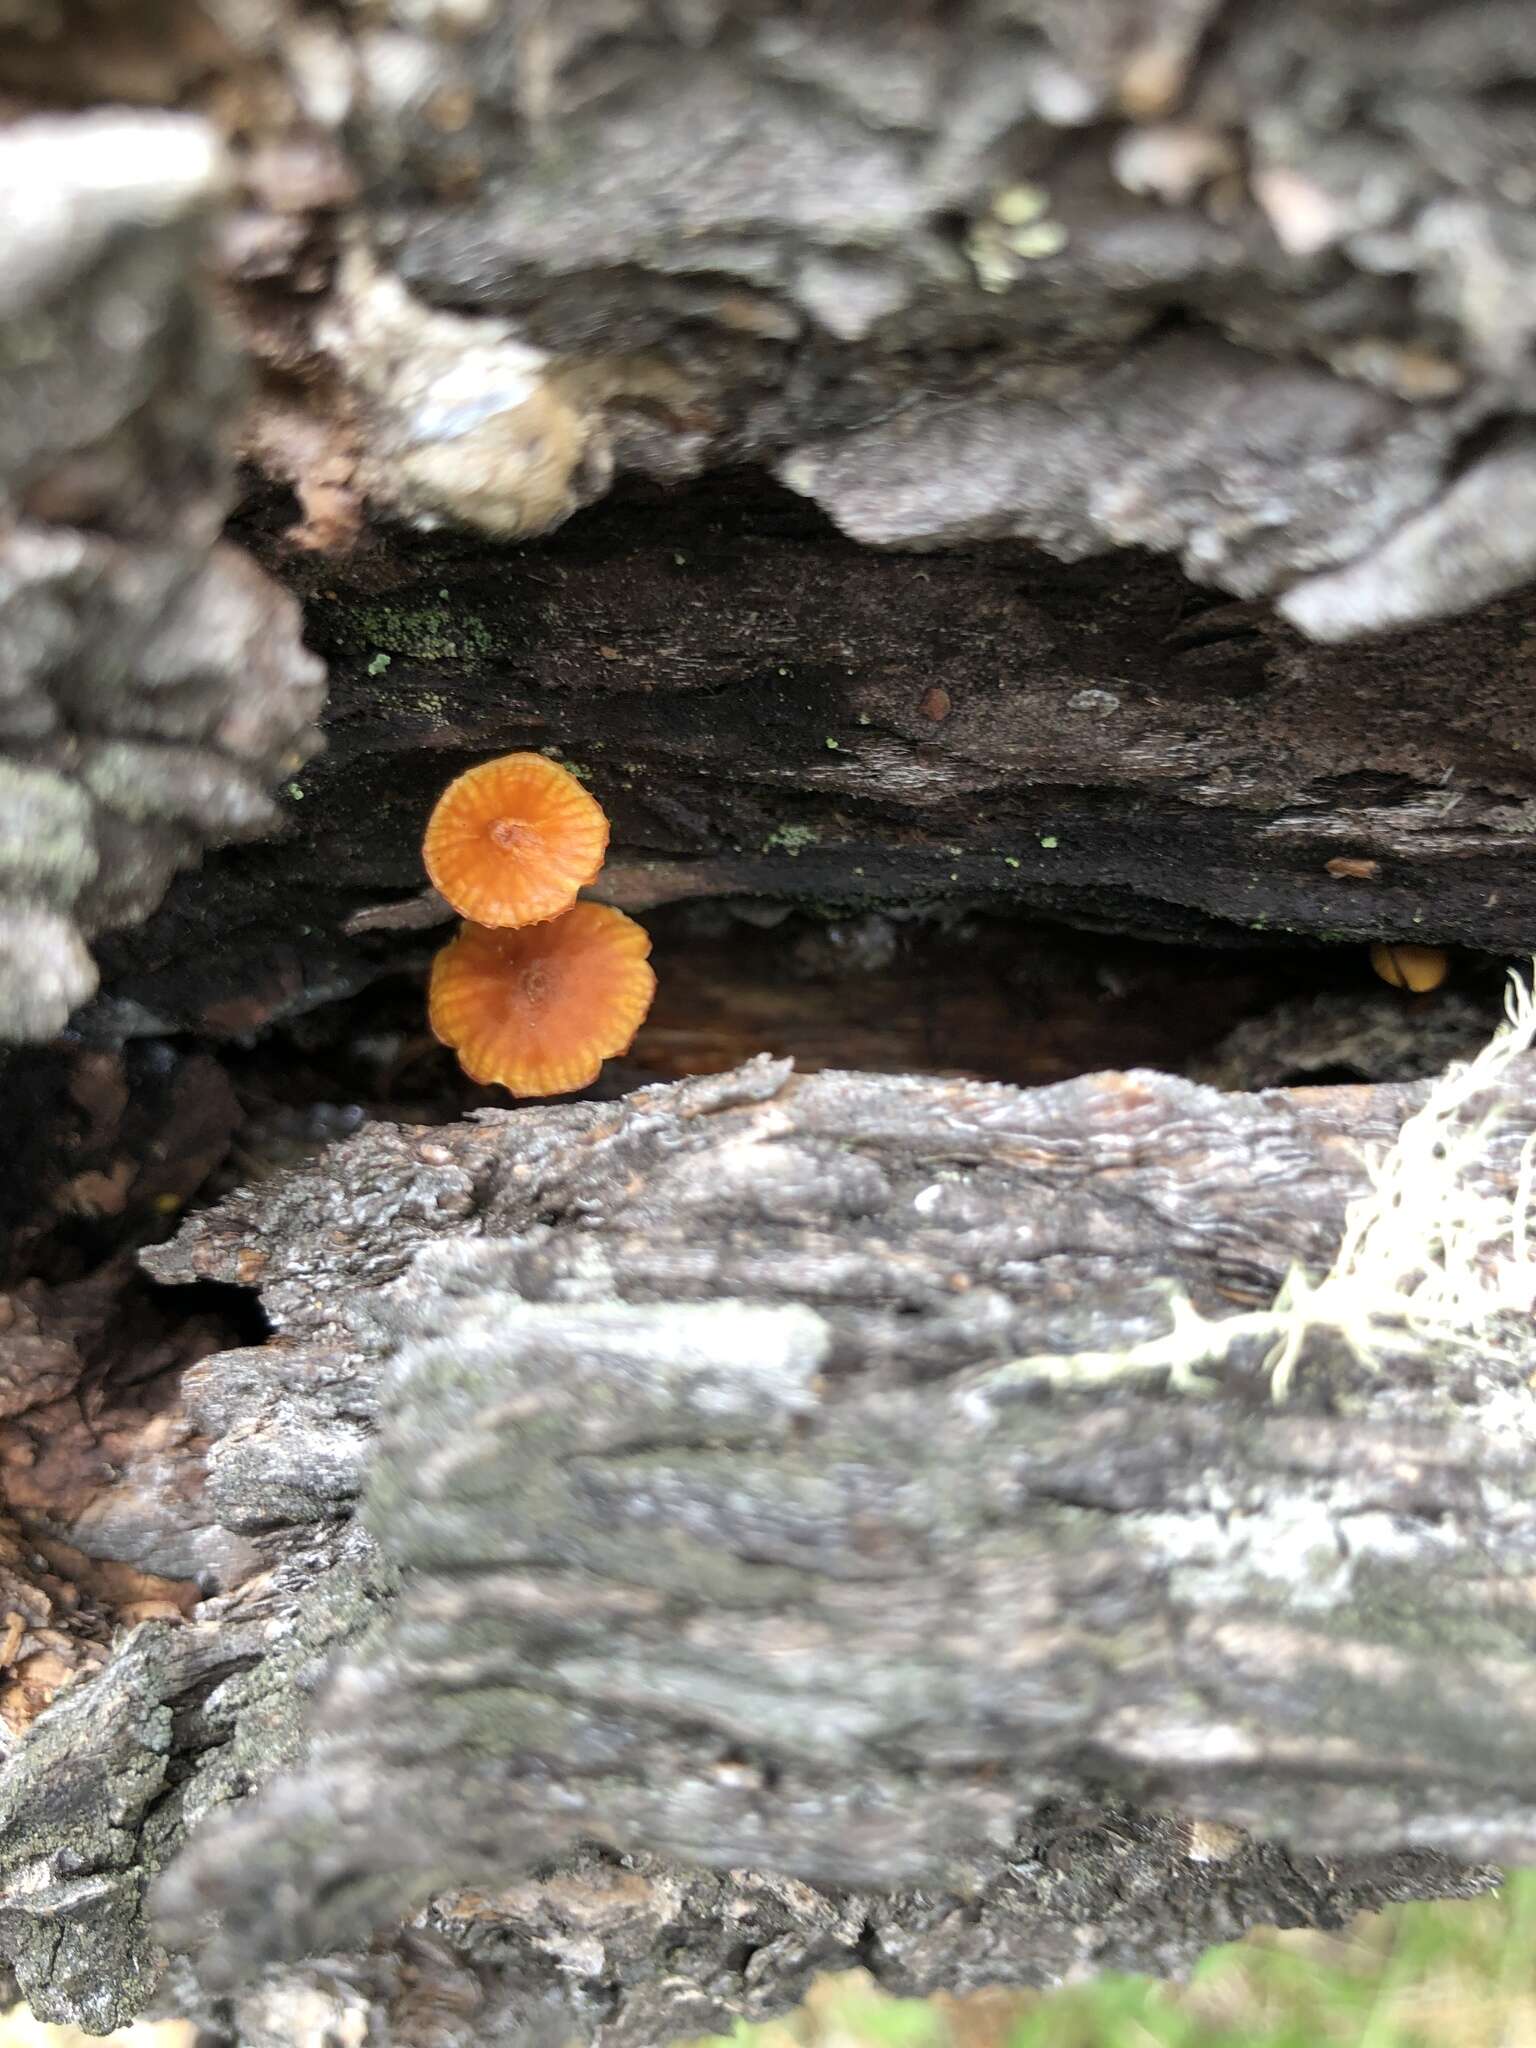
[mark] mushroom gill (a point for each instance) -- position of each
(511, 842)
(538, 1010)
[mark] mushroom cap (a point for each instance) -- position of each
(1413, 967)
(510, 842)
(538, 1010)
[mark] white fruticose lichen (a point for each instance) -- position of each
(1428, 1259)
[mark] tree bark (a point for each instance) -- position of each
(709, 1521)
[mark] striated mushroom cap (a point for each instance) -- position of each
(511, 842)
(538, 1010)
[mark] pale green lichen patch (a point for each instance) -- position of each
(46, 847)
(1430, 1264)
(579, 769)
(791, 839)
(1044, 238)
(1017, 230)
(142, 780)
(1016, 205)
(1307, 1549)
(422, 632)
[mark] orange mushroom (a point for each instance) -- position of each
(539, 1010)
(1419, 968)
(510, 842)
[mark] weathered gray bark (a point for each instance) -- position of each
(153, 681)
(705, 1520)
(1242, 284)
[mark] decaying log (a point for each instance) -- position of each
(592, 1568)
(1247, 289)
(770, 712)
(704, 1521)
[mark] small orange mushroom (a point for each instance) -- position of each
(512, 841)
(537, 1011)
(1419, 968)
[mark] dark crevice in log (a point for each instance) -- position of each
(236, 1309)
(745, 691)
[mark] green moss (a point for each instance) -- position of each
(579, 769)
(45, 822)
(422, 632)
(791, 839)
(1386, 1604)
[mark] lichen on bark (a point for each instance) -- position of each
(155, 681)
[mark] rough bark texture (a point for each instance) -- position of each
(704, 1520)
(152, 681)
(1249, 285)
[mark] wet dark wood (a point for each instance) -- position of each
(749, 695)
